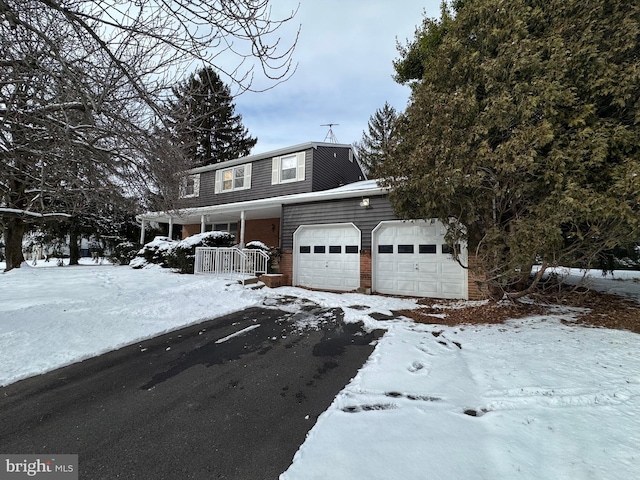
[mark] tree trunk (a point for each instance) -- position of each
(74, 249)
(536, 278)
(13, 234)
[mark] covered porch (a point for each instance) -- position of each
(245, 221)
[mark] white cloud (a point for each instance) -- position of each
(344, 54)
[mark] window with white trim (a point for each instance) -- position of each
(288, 168)
(233, 178)
(190, 186)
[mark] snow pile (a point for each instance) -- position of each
(204, 238)
(258, 245)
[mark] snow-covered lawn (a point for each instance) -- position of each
(534, 398)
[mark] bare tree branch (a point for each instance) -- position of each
(83, 86)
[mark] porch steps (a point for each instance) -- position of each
(250, 280)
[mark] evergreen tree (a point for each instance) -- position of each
(204, 120)
(524, 135)
(379, 139)
(416, 54)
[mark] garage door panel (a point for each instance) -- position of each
(406, 267)
(352, 267)
(386, 284)
(306, 263)
(426, 232)
(330, 267)
(452, 288)
(406, 287)
(417, 265)
(336, 265)
(451, 267)
(319, 264)
(428, 268)
(386, 267)
(427, 286)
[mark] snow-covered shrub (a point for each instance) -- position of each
(124, 252)
(156, 251)
(257, 245)
(273, 265)
(179, 255)
(33, 239)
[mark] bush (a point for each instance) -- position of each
(274, 260)
(124, 252)
(273, 265)
(156, 252)
(179, 255)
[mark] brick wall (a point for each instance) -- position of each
(266, 230)
(365, 268)
(286, 266)
(476, 281)
(188, 230)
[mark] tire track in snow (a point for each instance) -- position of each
(515, 399)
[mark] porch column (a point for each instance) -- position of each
(242, 219)
(202, 223)
(171, 227)
(142, 227)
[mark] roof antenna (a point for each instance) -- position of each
(330, 136)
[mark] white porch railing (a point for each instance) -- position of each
(230, 261)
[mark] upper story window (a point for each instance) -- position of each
(190, 186)
(233, 178)
(287, 168)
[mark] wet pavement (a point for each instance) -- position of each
(230, 398)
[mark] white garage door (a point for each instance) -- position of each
(412, 258)
(327, 256)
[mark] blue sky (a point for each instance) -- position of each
(344, 55)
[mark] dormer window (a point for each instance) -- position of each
(190, 186)
(233, 178)
(288, 168)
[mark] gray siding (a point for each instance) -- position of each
(336, 211)
(332, 168)
(260, 185)
(326, 167)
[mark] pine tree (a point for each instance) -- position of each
(204, 120)
(379, 139)
(416, 54)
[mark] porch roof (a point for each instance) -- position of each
(262, 208)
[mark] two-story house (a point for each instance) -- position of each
(336, 230)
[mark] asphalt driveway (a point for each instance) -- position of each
(229, 398)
